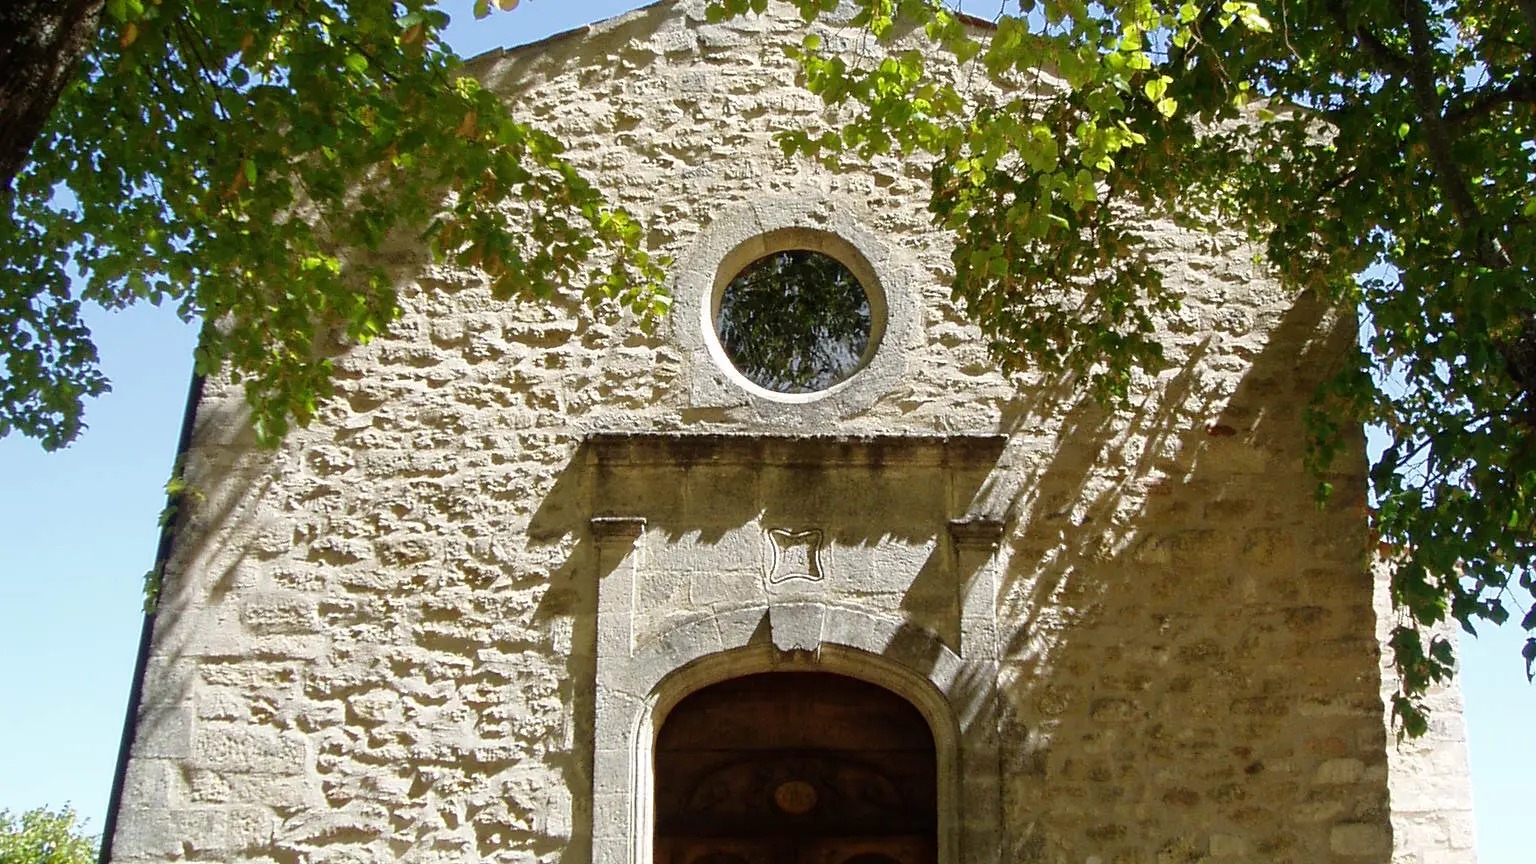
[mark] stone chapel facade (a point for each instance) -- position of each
(542, 586)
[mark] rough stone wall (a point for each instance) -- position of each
(372, 643)
(1431, 792)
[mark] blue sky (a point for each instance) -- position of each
(77, 532)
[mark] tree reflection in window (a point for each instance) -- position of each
(794, 321)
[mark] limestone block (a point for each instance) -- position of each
(257, 750)
(220, 832)
(164, 732)
(279, 613)
(724, 589)
(796, 627)
(1360, 840)
(155, 783)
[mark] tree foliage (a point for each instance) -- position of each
(43, 836)
(794, 321)
(1381, 151)
(252, 163)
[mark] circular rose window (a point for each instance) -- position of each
(794, 321)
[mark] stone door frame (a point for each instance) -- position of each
(637, 686)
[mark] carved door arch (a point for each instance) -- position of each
(795, 768)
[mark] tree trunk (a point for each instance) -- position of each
(41, 43)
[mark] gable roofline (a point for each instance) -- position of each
(565, 35)
(616, 21)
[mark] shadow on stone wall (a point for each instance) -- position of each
(1193, 670)
(1188, 663)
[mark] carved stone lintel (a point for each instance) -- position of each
(976, 533)
(617, 529)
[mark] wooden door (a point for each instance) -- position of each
(795, 768)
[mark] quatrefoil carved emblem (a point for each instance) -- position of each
(795, 555)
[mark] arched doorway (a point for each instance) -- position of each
(795, 768)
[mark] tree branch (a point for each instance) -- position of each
(1390, 58)
(1519, 353)
(1395, 62)
(1522, 91)
(1528, 9)
(41, 46)
(1180, 53)
(200, 66)
(1421, 80)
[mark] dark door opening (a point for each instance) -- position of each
(795, 768)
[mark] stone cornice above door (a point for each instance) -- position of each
(687, 449)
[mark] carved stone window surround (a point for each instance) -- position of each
(769, 224)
